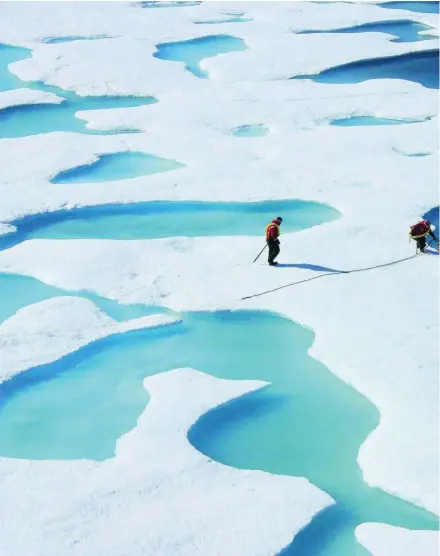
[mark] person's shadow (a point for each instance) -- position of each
(315, 267)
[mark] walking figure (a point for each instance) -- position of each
(272, 234)
(419, 231)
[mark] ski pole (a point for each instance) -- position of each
(260, 253)
(432, 241)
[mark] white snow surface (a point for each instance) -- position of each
(385, 540)
(18, 97)
(376, 330)
(45, 331)
(158, 495)
(6, 229)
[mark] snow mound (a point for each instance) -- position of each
(6, 229)
(17, 97)
(385, 540)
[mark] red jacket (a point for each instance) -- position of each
(420, 229)
(272, 230)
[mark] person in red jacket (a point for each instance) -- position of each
(419, 231)
(272, 234)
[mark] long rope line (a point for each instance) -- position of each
(330, 274)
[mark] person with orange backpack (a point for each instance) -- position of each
(272, 234)
(419, 231)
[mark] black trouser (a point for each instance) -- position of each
(421, 241)
(274, 249)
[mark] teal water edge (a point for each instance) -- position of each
(193, 51)
(161, 219)
(420, 67)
